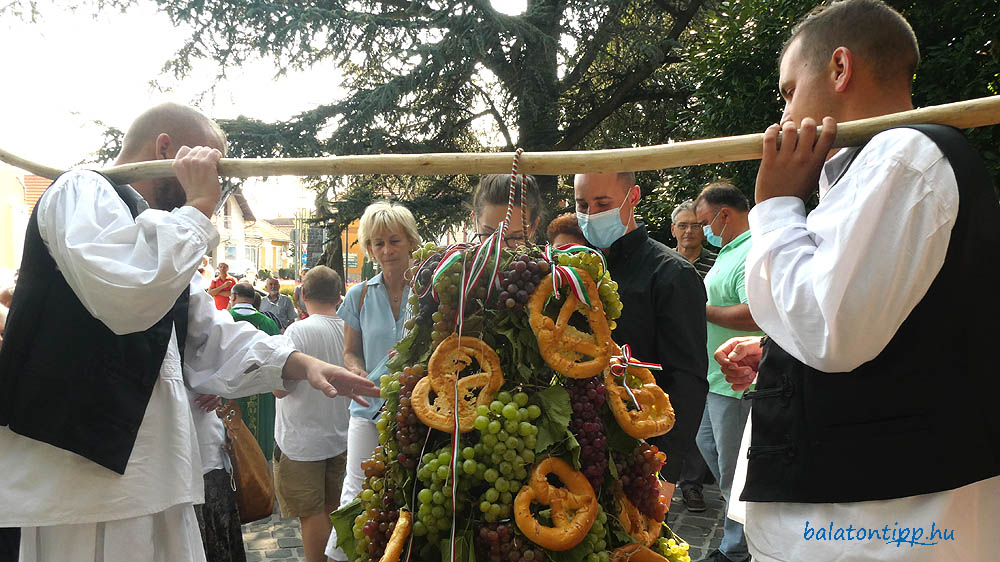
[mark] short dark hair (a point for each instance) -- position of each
(243, 290)
(723, 192)
(564, 224)
(627, 179)
(494, 189)
(323, 285)
(871, 29)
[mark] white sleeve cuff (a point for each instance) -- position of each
(775, 213)
(199, 223)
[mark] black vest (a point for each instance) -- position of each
(66, 378)
(918, 418)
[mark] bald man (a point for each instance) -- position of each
(97, 443)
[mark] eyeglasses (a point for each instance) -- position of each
(512, 240)
(689, 226)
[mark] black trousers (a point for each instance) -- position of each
(10, 543)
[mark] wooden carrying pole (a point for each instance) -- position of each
(963, 115)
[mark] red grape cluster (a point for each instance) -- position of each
(519, 280)
(587, 396)
(638, 475)
(497, 542)
(378, 528)
(410, 433)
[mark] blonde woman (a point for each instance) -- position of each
(374, 313)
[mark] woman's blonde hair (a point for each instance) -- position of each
(386, 216)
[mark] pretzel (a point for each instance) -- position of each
(578, 495)
(562, 346)
(394, 547)
(656, 416)
(453, 355)
(635, 552)
(643, 529)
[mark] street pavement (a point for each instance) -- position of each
(281, 539)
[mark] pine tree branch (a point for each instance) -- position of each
(593, 48)
(576, 132)
(496, 116)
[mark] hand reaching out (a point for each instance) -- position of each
(331, 380)
(739, 359)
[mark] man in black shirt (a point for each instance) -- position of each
(663, 298)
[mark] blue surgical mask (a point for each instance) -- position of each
(602, 229)
(711, 237)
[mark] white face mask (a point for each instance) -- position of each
(604, 228)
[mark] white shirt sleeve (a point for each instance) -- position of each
(832, 288)
(124, 271)
(229, 358)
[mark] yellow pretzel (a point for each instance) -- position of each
(560, 345)
(578, 495)
(394, 547)
(635, 552)
(641, 528)
(656, 416)
(448, 360)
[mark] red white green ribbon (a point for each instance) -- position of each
(620, 367)
(568, 276)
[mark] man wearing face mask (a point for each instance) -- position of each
(724, 211)
(663, 302)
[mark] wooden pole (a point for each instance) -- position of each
(963, 115)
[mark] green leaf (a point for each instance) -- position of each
(618, 440)
(465, 550)
(573, 446)
(575, 554)
(343, 522)
(554, 421)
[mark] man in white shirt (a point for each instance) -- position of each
(97, 442)
(873, 434)
(310, 432)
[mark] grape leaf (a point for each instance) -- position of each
(343, 522)
(576, 554)
(618, 440)
(464, 549)
(574, 449)
(554, 421)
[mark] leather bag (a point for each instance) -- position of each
(251, 477)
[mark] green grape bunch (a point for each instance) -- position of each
(606, 287)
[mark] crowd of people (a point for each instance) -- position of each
(861, 407)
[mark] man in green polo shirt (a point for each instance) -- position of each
(724, 211)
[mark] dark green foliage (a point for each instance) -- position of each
(562, 76)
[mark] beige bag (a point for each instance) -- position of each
(251, 478)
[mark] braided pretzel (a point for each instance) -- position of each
(561, 345)
(643, 529)
(578, 496)
(449, 359)
(656, 416)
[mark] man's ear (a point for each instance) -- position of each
(841, 69)
(164, 147)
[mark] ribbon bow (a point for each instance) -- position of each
(620, 367)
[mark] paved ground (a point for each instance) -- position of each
(703, 531)
(281, 539)
(274, 539)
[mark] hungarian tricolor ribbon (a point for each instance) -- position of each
(568, 276)
(620, 365)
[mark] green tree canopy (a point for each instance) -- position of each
(432, 76)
